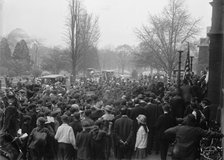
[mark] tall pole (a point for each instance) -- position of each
(179, 70)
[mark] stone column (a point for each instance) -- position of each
(215, 56)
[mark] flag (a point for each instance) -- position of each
(187, 69)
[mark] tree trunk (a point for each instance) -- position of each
(122, 69)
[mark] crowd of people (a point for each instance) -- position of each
(94, 120)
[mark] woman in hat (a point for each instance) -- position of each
(141, 138)
(38, 141)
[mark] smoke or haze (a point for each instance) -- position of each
(1, 16)
(45, 19)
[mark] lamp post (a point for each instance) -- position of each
(192, 57)
(179, 70)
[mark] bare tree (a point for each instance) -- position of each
(83, 33)
(144, 57)
(168, 30)
(124, 54)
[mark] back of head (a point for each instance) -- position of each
(88, 112)
(41, 121)
(64, 118)
(124, 111)
(189, 120)
(76, 115)
(166, 107)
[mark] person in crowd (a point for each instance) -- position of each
(99, 141)
(66, 140)
(187, 137)
(138, 109)
(186, 92)
(9, 132)
(123, 130)
(37, 142)
(194, 104)
(164, 122)
(83, 141)
(206, 110)
(154, 110)
(108, 115)
(86, 117)
(76, 123)
(108, 119)
(141, 138)
(178, 105)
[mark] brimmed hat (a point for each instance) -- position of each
(108, 108)
(49, 120)
(141, 119)
(41, 120)
(206, 101)
(55, 112)
(86, 124)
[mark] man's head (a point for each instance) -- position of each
(64, 118)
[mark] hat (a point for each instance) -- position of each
(141, 119)
(86, 124)
(41, 120)
(206, 101)
(49, 120)
(55, 112)
(75, 106)
(108, 108)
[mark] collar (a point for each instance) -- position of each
(205, 107)
(124, 116)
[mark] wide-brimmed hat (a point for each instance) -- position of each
(141, 119)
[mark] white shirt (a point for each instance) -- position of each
(141, 138)
(65, 134)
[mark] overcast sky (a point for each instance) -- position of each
(118, 19)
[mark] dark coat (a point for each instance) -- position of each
(153, 111)
(76, 126)
(123, 131)
(164, 122)
(178, 107)
(83, 142)
(98, 144)
(186, 93)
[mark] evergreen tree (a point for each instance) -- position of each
(21, 58)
